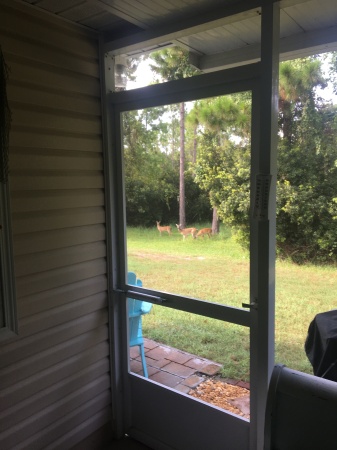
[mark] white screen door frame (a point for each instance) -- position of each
(154, 414)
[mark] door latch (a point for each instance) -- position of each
(252, 305)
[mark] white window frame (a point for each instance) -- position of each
(9, 325)
(8, 315)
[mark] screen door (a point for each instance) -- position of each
(197, 290)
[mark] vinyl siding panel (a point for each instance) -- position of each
(19, 412)
(35, 383)
(94, 393)
(36, 364)
(42, 301)
(26, 117)
(49, 240)
(44, 140)
(45, 261)
(51, 336)
(59, 181)
(30, 96)
(49, 220)
(54, 376)
(41, 201)
(35, 52)
(39, 28)
(59, 161)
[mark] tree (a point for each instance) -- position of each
(173, 64)
(306, 188)
(151, 182)
(307, 168)
(224, 121)
(333, 71)
(297, 82)
(306, 171)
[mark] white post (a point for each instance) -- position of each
(115, 244)
(263, 222)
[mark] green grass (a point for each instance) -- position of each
(217, 270)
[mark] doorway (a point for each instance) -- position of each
(155, 414)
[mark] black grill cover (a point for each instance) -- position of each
(321, 345)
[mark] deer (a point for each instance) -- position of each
(186, 231)
(204, 231)
(161, 229)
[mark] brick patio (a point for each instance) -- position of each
(174, 368)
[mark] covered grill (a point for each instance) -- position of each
(321, 345)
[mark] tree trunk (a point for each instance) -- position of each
(194, 155)
(182, 215)
(215, 222)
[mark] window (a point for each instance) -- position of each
(7, 288)
(8, 323)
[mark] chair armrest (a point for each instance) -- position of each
(146, 307)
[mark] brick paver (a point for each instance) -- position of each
(152, 370)
(180, 357)
(182, 388)
(174, 362)
(163, 352)
(136, 366)
(179, 369)
(193, 381)
(230, 381)
(149, 344)
(196, 363)
(243, 384)
(158, 364)
(166, 378)
(134, 352)
(211, 369)
(160, 352)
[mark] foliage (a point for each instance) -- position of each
(223, 163)
(152, 178)
(150, 183)
(307, 164)
(172, 63)
(333, 70)
(198, 207)
(297, 81)
(307, 154)
(216, 165)
(306, 189)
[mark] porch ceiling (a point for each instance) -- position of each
(207, 28)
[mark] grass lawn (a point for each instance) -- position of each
(217, 270)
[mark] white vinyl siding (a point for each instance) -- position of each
(54, 375)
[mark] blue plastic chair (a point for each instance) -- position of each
(136, 309)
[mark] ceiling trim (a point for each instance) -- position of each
(167, 33)
(118, 13)
(296, 46)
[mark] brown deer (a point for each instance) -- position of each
(204, 231)
(186, 231)
(161, 229)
